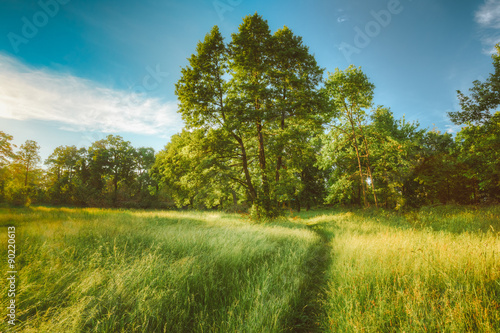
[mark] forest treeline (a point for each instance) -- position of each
(267, 129)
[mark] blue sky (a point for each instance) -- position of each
(73, 71)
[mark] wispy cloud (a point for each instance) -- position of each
(488, 15)
(453, 129)
(79, 104)
(488, 18)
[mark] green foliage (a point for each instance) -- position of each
(478, 148)
(395, 153)
(21, 181)
(350, 93)
(478, 141)
(258, 95)
(6, 149)
(65, 168)
(438, 177)
(190, 175)
(485, 96)
(29, 157)
(6, 155)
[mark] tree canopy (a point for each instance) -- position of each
(259, 95)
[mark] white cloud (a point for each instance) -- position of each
(488, 15)
(488, 18)
(79, 104)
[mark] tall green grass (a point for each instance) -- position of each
(437, 270)
(94, 270)
(90, 270)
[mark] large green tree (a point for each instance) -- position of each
(258, 95)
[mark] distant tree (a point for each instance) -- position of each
(350, 94)
(64, 168)
(29, 157)
(438, 177)
(111, 159)
(24, 175)
(478, 141)
(479, 149)
(396, 147)
(6, 157)
(6, 148)
(144, 159)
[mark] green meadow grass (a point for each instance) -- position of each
(95, 270)
(91, 270)
(437, 270)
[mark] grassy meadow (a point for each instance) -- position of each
(96, 270)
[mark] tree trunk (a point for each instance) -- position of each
(244, 162)
(361, 180)
(262, 164)
(356, 148)
(279, 163)
(235, 198)
(26, 176)
(115, 192)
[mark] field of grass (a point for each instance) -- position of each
(435, 271)
(94, 270)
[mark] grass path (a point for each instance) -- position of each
(308, 314)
